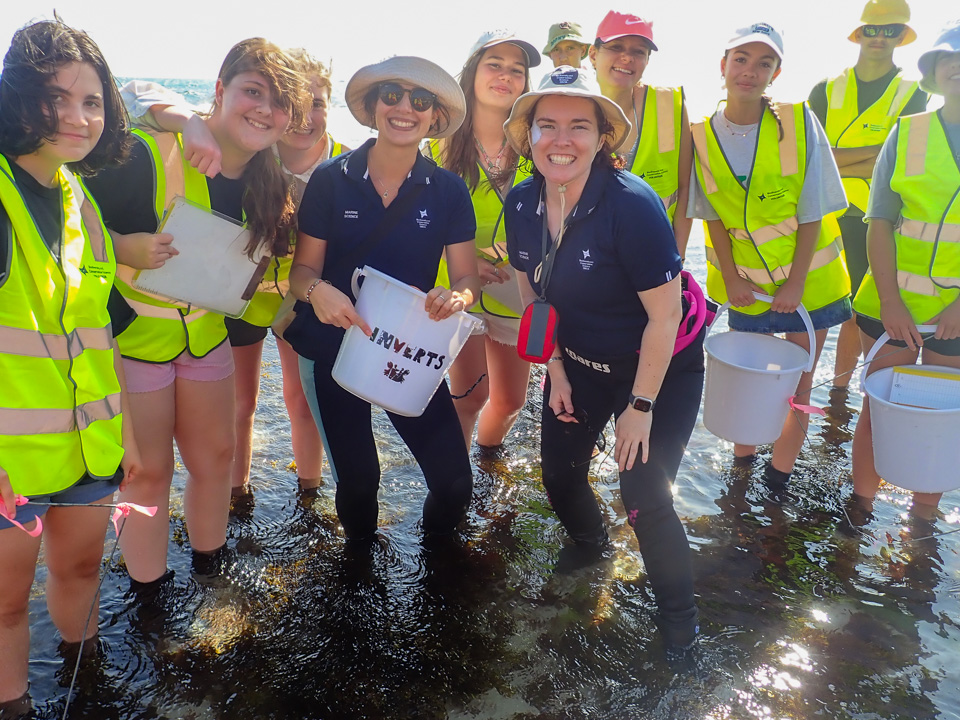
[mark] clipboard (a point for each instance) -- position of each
(213, 270)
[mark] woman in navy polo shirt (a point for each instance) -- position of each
(615, 285)
(406, 99)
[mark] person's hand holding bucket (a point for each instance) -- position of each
(334, 308)
(441, 303)
(898, 323)
(740, 291)
(948, 322)
(788, 296)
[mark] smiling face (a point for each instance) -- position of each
(501, 76)
(306, 137)
(946, 73)
(567, 52)
(400, 124)
(77, 95)
(247, 113)
(569, 138)
(620, 63)
(748, 70)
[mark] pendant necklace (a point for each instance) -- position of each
(376, 182)
(735, 132)
(494, 164)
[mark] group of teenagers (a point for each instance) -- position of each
(579, 194)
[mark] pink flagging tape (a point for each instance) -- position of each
(123, 510)
(808, 409)
(21, 500)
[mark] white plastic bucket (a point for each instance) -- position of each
(750, 380)
(914, 448)
(401, 365)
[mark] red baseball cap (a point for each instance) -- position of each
(617, 25)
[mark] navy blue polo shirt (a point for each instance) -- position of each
(619, 242)
(341, 206)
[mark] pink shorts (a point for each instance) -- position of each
(145, 377)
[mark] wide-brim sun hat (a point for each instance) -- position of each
(947, 42)
(565, 81)
(758, 32)
(490, 38)
(886, 12)
(414, 71)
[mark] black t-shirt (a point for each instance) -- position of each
(619, 242)
(126, 195)
(341, 206)
(46, 207)
(867, 94)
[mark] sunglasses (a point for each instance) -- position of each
(889, 31)
(420, 100)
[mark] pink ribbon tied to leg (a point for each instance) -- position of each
(808, 409)
(123, 510)
(21, 500)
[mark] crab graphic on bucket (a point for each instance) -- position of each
(400, 366)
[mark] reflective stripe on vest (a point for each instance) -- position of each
(847, 127)
(162, 329)
(927, 238)
(488, 208)
(60, 396)
(658, 152)
(761, 218)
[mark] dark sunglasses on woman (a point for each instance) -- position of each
(890, 31)
(420, 100)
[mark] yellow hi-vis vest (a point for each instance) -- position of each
(761, 218)
(163, 330)
(847, 128)
(491, 232)
(60, 397)
(928, 233)
(658, 153)
(275, 283)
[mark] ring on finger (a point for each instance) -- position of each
(441, 298)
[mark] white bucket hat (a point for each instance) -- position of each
(569, 82)
(948, 42)
(415, 71)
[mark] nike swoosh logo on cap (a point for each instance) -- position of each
(633, 22)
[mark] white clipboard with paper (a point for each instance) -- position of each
(213, 270)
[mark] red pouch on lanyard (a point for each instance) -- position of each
(538, 326)
(538, 332)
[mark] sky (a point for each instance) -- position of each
(188, 38)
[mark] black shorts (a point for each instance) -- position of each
(854, 233)
(242, 333)
(874, 328)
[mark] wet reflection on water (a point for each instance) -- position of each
(804, 613)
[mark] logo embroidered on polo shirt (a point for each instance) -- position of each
(423, 221)
(585, 262)
(351, 214)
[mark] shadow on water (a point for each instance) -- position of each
(804, 613)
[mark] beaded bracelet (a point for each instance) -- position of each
(313, 286)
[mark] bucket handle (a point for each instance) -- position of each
(355, 282)
(804, 315)
(881, 341)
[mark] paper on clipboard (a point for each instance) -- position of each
(508, 292)
(213, 270)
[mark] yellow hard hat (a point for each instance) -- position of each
(887, 12)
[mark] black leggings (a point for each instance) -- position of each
(434, 438)
(646, 490)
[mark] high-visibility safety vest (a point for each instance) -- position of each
(761, 217)
(60, 397)
(848, 128)
(658, 153)
(928, 234)
(163, 330)
(275, 283)
(491, 233)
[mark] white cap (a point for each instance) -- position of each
(758, 32)
(496, 37)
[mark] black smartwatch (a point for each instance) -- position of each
(641, 403)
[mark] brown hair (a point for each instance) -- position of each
(459, 153)
(269, 200)
(28, 116)
(312, 68)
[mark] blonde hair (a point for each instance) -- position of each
(312, 68)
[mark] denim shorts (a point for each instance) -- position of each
(836, 313)
(86, 490)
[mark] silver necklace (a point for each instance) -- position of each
(730, 127)
(376, 182)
